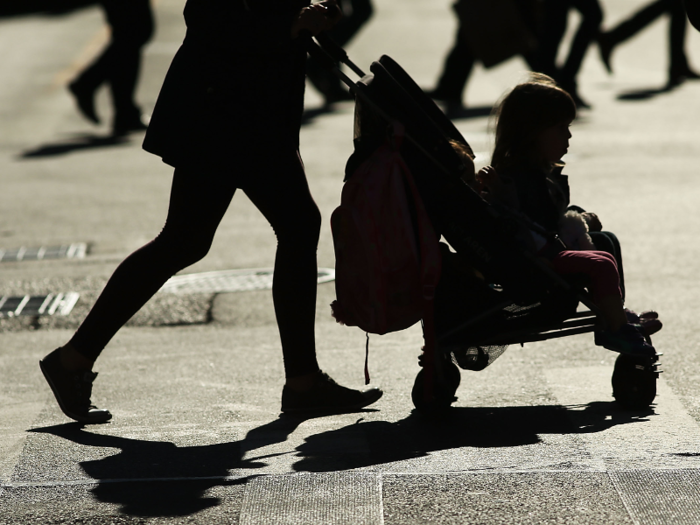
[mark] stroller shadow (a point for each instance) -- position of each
(417, 436)
(77, 143)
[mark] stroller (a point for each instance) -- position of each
(493, 291)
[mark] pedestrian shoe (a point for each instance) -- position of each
(677, 76)
(72, 389)
(85, 99)
(124, 126)
(627, 340)
(605, 46)
(327, 397)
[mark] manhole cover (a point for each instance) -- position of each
(76, 250)
(230, 281)
(48, 304)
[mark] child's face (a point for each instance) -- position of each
(553, 143)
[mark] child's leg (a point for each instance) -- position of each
(599, 266)
(605, 290)
(613, 311)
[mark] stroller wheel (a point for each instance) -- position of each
(634, 381)
(445, 386)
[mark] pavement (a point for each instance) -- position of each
(194, 380)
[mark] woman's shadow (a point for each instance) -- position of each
(156, 478)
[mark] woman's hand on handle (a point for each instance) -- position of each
(317, 18)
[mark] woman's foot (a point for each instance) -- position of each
(325, 396)
(72, 387)
(628, 340)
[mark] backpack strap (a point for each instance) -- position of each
(430, 269)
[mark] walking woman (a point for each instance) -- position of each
(227, 118)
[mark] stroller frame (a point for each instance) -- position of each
(634, 378)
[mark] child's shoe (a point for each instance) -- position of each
(627, 340)
(649, 321)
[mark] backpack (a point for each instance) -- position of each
(387, 255)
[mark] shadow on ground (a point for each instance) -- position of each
(153, 478)
(76, 143)
(417, 436)
(640, 95)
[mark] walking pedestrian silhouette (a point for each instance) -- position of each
(679, 69)
(132, 25)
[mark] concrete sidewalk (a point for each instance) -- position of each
(194, 381)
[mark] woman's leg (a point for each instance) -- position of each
(197, 204)
(282, 195)
(592, 17)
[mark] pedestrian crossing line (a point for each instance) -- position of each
(330, 498)
(660, 496)
(82, 482)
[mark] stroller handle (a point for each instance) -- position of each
(337, 53)
(327, 53)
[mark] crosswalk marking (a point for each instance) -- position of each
(331, 498)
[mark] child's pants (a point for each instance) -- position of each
(600, 267)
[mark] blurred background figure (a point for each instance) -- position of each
(131, 24)
(555, 17)
(489, 31)
(692, 8)
(679, 69)
(356, 13)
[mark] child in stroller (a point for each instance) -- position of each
(599, 267)
(532, 134)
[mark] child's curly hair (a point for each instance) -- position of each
(527, 110)
(467, 157)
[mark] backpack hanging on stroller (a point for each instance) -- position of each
(493, 291)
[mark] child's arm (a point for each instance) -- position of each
(499, 190)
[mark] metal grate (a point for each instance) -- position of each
(76, 250)
(35, 305)
(230, 281)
